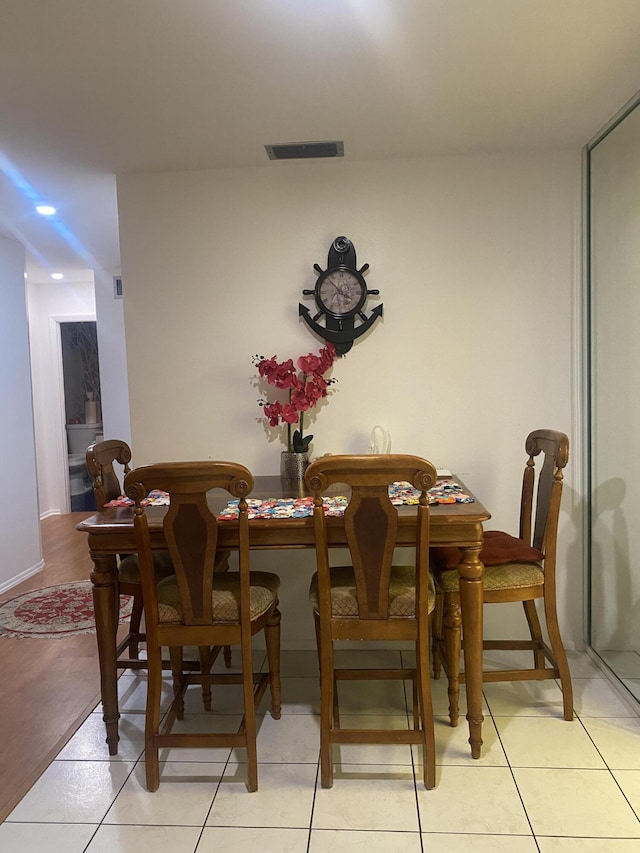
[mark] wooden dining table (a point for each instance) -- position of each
(110, 533)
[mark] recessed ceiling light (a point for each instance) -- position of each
(45, 209)
(57, 275)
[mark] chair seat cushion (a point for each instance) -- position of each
(509, 576)
(226, 597)
(498, 548)
(344, 601)
(129, 569)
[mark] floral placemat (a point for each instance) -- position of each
(445, 492)
(284, 507)
(400, 493)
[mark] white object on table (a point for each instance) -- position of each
(380, 441)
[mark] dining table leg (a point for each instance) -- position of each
(471, 607)
(104, 578)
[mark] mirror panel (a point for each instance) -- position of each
(613, 183)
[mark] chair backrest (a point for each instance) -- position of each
(100, 458)
(540, 508)
(190, 529)
(371, 524)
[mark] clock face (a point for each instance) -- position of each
(340, 292)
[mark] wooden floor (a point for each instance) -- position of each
(48, 686)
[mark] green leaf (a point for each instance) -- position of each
(300, 444)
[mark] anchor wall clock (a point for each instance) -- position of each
(340, 294)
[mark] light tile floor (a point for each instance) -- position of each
(542, 784)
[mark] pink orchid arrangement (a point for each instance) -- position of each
(305, 388)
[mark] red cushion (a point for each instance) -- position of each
(498, 548)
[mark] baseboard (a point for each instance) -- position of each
(27, 573)
(49, 513)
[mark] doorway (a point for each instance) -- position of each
(82, 405)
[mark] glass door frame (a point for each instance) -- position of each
(588, 356)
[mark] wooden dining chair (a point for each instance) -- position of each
(199, 607)
(107, 486)
(516, 569)
(371, 599)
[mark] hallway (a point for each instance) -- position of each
(48, 686)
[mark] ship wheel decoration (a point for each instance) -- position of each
(340, 295)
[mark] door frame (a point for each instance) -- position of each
(62, 488)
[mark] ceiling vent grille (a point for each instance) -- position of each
(305, 150)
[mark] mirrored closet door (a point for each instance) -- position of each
(612, 167)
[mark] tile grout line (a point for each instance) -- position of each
(524, 808)
(606, 763)
(313, 804)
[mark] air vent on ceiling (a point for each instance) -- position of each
(305, 150)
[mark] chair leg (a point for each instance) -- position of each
(226, 652)
(415, 700)
(175, 657)
(536, 632)
(316, 626)
(559, 654)
(272, 642)
(134, 626)
(426, 712)
(436, 635)
(152, 720)
(249, 715)
(452, 628)
(204, 653)
(336, 706)
(327, 686)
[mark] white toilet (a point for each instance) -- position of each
(79, 437)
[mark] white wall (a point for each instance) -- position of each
(112, 352)
(21, 551)
(475, 259)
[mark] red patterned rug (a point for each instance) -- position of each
(54, 612)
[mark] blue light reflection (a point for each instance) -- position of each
(29, 192)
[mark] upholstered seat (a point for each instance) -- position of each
(225, 598)
(344, 594)
(129, 568)
(508, 576)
